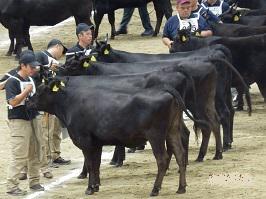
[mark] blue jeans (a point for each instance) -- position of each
(144, 16)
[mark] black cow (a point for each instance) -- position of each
(252, 4)
(197, 67)
(248, 56)
(116, 116)
(223, 100)
(245, 20)
(18, 15)
(236, 30)
(162, 7)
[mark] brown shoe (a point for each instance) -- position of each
(22, 176)
(17, 192)
(48, 175)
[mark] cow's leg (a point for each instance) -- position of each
(204, 144)
(174, 141)
(159, 151)
(97, 19)
(217, 135)
(240, 101)
(262, 88)
(96, 167)
(93, 161)
(185, 138)
(111, 19)
(12, 42)
(84, 171)
(26, 33)
(159, 17)
(118, 156)
(224, 115)
(232, 114)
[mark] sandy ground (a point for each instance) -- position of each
(241, 174)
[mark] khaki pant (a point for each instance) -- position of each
(52, 133)
(24, 151)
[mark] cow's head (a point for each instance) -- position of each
(231, 17)
(44, 98)
(184, 41)
(103, 48)
(80, 65)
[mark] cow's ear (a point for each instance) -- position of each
(236, 17)
(55, 85)
(183, 38)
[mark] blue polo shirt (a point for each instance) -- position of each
(172, 26)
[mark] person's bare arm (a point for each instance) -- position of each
(20, 97)
(206, 33)
(167, 42)
(2, 84)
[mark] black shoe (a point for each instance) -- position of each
(131, 150)
(121, 32)
(22, 176)
(61, 161)
(147, 33)
(17, 192)
(37, 187)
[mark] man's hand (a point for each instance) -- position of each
(54, 66)
(28, 88)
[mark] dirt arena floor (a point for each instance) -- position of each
(240, 175)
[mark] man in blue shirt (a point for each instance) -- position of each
(218, 7)
(184, 20)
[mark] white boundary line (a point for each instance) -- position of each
(106, 156)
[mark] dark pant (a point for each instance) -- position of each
(143, 13)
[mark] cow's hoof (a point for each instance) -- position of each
(82, 176)
(155, 191)
(112, 162)
(199, 159)
(227, 146)
(119, 164)
(8, 53)
(181, 190)
(218, 156)
(154, 34)
(112, 37)
(96, 188)
(89, 191)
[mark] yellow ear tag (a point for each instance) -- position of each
(197, 34)
(62, 84)
(43, 81)
(86, 64)
(106, 52)
(236, 18)
(93, 58)
(55, 88)
(183, 38)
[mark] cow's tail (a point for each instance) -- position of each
(191, 81)
(229, 65)
(180, 102)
